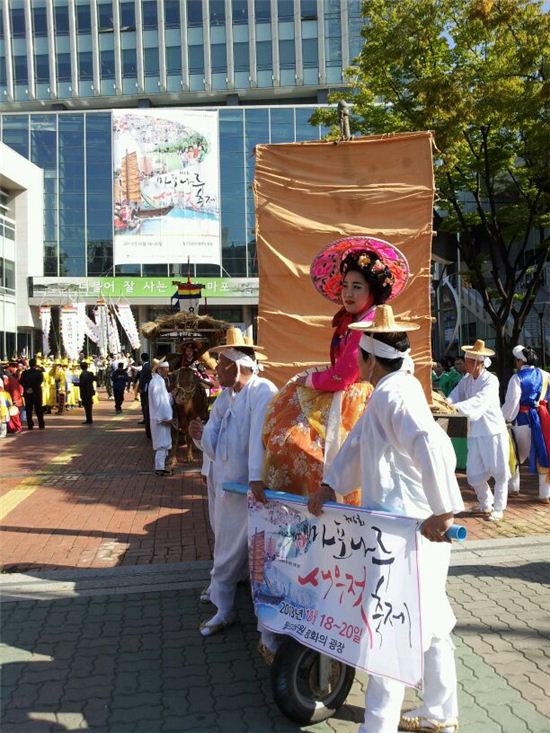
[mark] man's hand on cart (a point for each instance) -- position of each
(258, 489)
(316, 501)
(434, 527)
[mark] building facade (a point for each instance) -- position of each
(265, 65)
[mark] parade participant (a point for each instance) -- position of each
(31, 381)
(15, 390)
(143, 380)
(86, 386)
(313, 413)
(477, 397)
(526, 406)
(161, 415)
(5, 405)
(405, 465)
(232, 439)
(119, 379)
(449, 379)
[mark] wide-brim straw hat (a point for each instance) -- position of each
(234, 339)
(478, 349)
(384, 322)
(157, 363)
(325, 268)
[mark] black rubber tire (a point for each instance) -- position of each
(291, 676)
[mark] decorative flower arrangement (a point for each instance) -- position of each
(364, 260)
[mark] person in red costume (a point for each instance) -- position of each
(312, 415)
(15, 390)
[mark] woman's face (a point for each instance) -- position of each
(355, 293)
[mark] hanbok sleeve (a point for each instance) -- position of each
(432, 453)
(263, 394)
(476, 406)
(209, 440)
(344, 474)
(510, 408)
(345, 370)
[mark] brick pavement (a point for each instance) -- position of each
(90, 499)
(84, 657)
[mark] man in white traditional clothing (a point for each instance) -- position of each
(477, 397)
(526, 407)
(232, 439)
(160, 415)
(405, 465)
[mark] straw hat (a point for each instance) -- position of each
(478, 350)
(234, 339)
(325, 269)
(248, 341)
(384, 322)
(157, 363)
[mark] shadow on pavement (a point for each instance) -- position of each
(537, 572)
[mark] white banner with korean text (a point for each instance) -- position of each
(46, 323)
(128, 323)
(345, 583)
(166, 183)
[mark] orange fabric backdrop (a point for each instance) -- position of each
(309, 194)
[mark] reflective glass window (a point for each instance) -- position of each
(282, 125)
(100, 257)
(2, 70)
(149, 12)
(263, 55)
(105, 17)
(287, 55)
(85, 66)
(15, 133)
(1, 22)
(107, 64)
(218, 57)
(61, 15)
(83, 19)
(150, 62)
(217, 12)
(18, 20)
(20, 69)
(39, 21)
(129, 63)
(333, 34)
(310, 53)
(239, 9)
(155, 270)
(308, 9)
(64, 66)
(262, 10)
(43, 142)
(172, 13)
(285, 9)
(241, 56)
(196, 60)
(355, 23)
(99, 189)
(194, 13)
(42, 67)
(127, 15)
(305, 131)
(173, 60)
(9, 275)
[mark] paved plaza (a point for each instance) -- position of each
(103, 565)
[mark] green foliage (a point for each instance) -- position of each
(475, 72)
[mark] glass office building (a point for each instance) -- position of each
(65, 64)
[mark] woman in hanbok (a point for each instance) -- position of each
(311, 416)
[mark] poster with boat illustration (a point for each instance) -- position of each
(166, 187)
(345, 583)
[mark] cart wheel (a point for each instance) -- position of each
(308, 686)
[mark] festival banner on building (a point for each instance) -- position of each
(113, 337)
(101, 316)
(166, 186)
(70, 330)
(345, 583)
(128, 323)
(92, 331)
(46, 323)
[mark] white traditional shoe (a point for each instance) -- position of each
(544, 499)
(480, 509)
(495, 516)
(427, 725)
(216, 624)
(205, 595)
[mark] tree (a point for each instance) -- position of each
(475, 72)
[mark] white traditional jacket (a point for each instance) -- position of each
(160, 409)
(232, 437)
(479, 399)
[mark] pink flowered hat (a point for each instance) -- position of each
(326, 272)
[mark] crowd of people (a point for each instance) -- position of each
(359, 430)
